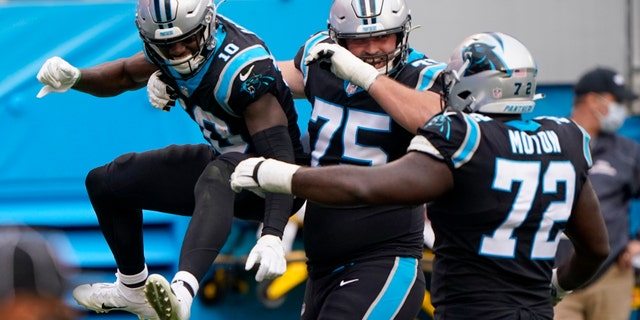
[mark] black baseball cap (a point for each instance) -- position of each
(604, 80)
(28, 263)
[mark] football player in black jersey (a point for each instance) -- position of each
(226, 79)
(500, 190)
(363, 261)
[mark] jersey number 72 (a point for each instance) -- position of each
(502, 243)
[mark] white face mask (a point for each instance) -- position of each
(187, 65)
(614, 119)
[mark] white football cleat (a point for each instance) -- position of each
(162, 299)
(105, 297)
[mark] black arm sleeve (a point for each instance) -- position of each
(275, 143)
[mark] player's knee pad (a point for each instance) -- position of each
(215, 175)
(95, 182)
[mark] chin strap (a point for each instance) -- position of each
(539, 96)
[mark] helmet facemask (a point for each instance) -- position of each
(450, 78)
(158, 51)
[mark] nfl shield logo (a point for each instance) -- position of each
(497, 93)
(351, 88)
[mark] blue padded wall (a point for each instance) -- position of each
(50, 143)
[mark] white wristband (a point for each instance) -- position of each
(366, 79)
(554, 280)
(275, 176)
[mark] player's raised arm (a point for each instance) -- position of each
(409, 107)
(107, 79)
(293, 77)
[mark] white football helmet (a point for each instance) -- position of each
(349, 19)
(491, 73)
(162, 23)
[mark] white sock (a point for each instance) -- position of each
(179, 284)
(131, 286)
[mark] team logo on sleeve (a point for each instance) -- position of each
(440, 123)
(255, 82)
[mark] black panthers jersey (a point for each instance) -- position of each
(515, 184)
(347, 126)
(240, 71)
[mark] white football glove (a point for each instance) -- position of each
(259, 175)
(269, 253)
(161, 95)
(343, 64)
(557, 293)
(57, 75)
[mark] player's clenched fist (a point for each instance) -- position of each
(343, 64)
(161, 95)
(259, 175)
(57, 75)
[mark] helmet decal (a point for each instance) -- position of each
(162, 13)
(368, 11)
(491, 72)
(482, 58)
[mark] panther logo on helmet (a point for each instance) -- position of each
(481, 58)
(491, 72)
